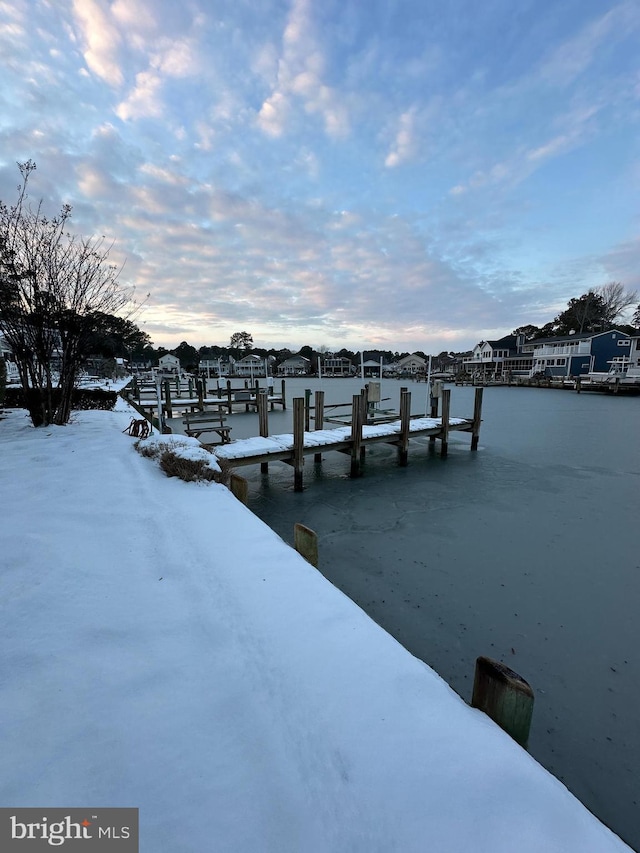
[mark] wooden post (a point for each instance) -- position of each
(477, 419)
(298, 442)
(578, 384)
(305, 542)
(263, 421)
(178, 385)
(318, 419)
(167, 398)
(405, 417)
(434, 409)
(229, 396)
(239, 487)
(284, 402)
(191, 394)
(307, 407)
(201, 395)
(444, 435)
(356, 435)
(504, 696)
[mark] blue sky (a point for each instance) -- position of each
(362, 173)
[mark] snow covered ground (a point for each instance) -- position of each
(164, 649)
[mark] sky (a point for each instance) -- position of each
(392, 174)
(240, 702)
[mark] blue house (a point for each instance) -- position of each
(577, 355)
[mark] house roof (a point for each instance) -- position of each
(585, 336)
(296, 358)
(507, 342)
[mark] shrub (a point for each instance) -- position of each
(183, 457)
(82, 398)
(189, 470)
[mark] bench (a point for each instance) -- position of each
(195, 425)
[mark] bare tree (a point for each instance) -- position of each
(616, 299)
(51, 285)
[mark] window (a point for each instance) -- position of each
(626, 343)
(562, 362)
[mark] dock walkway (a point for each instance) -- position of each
(352, 438)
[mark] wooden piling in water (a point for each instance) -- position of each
(239, 488)
(357, 419)
(477, 418)
(435, 390)
(298, 442)
(405, 417)
(318, 419)
(305, 542)
(446, 405)
(263, 421)
(307, 409)
(504, 696)
(167, 398)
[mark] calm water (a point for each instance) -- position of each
(526, 551)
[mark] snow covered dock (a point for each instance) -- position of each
(242, 704)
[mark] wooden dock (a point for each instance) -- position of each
(352, 439)
(177, 398)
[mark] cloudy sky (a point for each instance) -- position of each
(402, 174)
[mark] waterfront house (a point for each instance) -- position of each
(577, 355)
(488, 357)
(296, 365)
(337, 365)
(410, 365)
(169, 365)
(212, 368)
(253, 366)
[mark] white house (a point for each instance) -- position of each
(214, 367)
(297, 365)
(488, 357)
(252, 366)
(169, 365)
(411, 364)
(6, 353)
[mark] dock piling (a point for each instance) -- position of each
(263, 422)
(446, 405)
(356, 434)
(318, 419)
(239, 488)
(477, 418)
(298, 442)
(504, 696)
(405, 417)
(305, 542)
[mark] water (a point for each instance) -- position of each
(526, 551)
